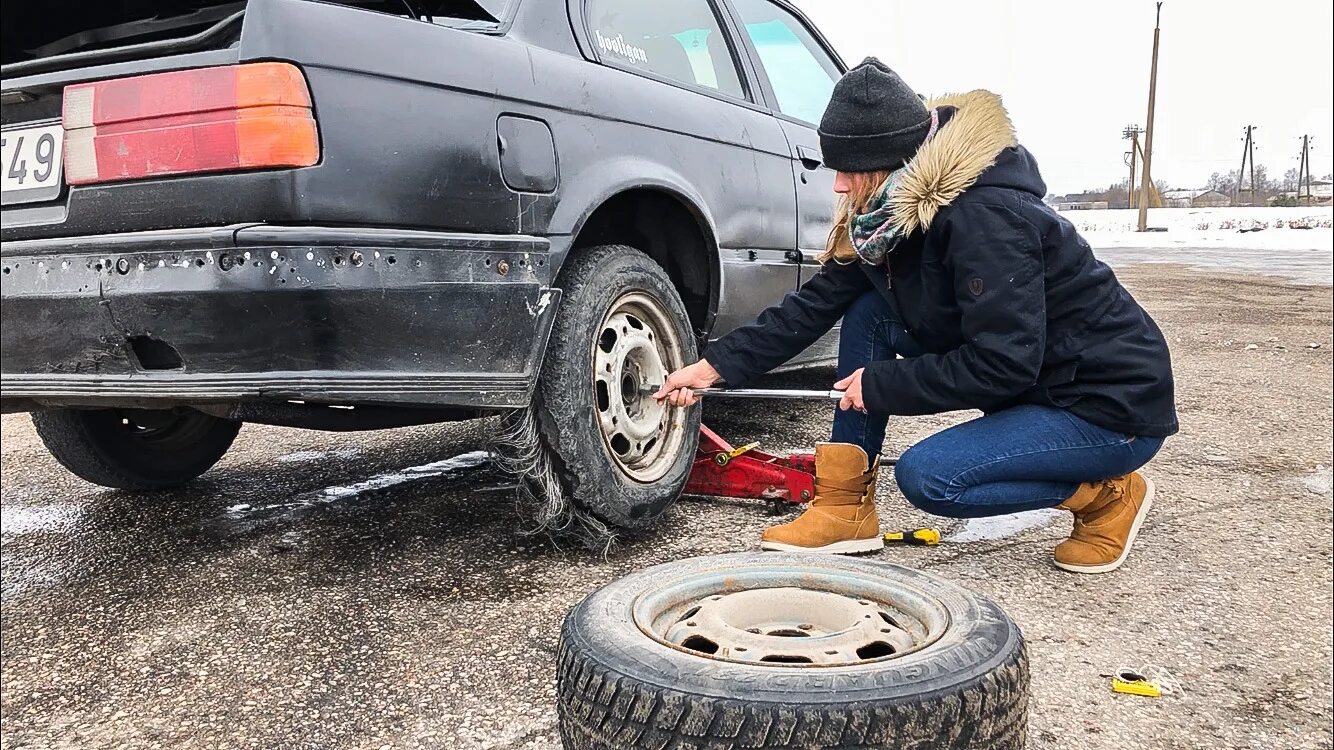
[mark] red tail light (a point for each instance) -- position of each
(252, 116)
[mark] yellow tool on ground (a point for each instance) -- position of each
(1131, 683)
(1149, 681)
(923, 537)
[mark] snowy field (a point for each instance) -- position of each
(1295, 243)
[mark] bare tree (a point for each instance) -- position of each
(1290, 178)
(1117, 194)
(1223, 183)
(1257, 194)
(1261, 179)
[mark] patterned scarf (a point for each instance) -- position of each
(873, 234)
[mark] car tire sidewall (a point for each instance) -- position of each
(591, 283)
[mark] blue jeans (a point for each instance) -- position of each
(1023, 458)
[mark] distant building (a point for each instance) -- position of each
(1210, 199)
(1195, 199)
(1321, 192)
(1080, 205)
(1179, 198)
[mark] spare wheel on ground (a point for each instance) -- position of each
(765, 650)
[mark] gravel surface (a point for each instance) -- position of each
(315, 590)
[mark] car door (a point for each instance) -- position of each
(708, 125)
(797, 70)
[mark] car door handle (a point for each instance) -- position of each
(810, 158)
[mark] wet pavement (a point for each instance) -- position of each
(370, 590)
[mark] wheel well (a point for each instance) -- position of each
(670, 232)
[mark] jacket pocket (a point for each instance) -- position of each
(1057, 385)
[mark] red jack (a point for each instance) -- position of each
(722, 470)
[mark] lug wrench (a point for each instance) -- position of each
(795, 395)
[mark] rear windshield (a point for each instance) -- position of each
(473, 14)
(470, 14)
(36, 29)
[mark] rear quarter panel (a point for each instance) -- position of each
(407, 113)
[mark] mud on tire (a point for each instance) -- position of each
(586, 380)
(618, 687)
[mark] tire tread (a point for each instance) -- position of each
(988, 713)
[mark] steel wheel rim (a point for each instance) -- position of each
(636, 345)
(791, 617)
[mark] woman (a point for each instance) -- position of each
(959, 289)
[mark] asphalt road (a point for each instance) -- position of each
(317, 591)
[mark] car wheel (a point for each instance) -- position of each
(620, 456)
(135, 449)
(779, 650)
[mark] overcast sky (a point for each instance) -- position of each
(1074, 73)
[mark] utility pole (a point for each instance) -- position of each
(1304, 171)
(1254, 193)
(1131, 133)
(1247, 153)
(1147, 180)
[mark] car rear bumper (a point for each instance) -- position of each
(319, 314)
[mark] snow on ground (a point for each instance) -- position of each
(378, 482)
(1221, 220)
(1319, 482)
(339, 454)
(998, 527)
(1296, 243)
(21, 519)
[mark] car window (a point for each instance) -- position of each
(801, 73)
(680, 40)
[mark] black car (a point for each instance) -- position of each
(375, 213)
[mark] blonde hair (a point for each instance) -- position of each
(838, 246)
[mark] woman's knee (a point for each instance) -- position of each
(924, 480)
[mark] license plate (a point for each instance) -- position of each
(30, 165)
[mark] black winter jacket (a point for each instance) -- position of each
(1001, 292)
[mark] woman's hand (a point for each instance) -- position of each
(852, 391)
(677, 388)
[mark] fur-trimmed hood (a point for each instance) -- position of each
(953, 160)
(999, 296)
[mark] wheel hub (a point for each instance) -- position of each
(791, 626)
(636, 347)
(783, 618)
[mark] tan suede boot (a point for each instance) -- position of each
(1107, 519)
(842, 518)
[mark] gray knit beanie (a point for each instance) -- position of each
(873, 121)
